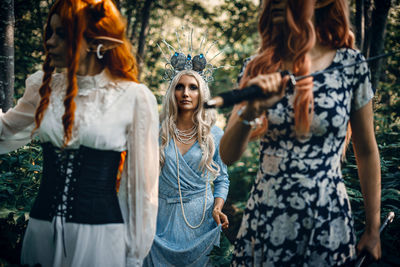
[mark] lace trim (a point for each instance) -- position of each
(97, 95)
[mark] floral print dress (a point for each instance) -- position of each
(298, 213)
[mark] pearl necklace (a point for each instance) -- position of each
(180, 194)
(185, 136)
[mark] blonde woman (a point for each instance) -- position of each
(189, 216)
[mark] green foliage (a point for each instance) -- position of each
(20, 172)
(12, 229)
(221, 256)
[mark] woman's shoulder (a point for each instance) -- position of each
(35, 78)
(137, 91)
(348, 55)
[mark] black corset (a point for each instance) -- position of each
(79, 185)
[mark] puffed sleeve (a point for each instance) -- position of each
(362, 87)
(17, 123)
(139, 185)
(221, 183)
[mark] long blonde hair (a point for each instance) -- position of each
(203, 118)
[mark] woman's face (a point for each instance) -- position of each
(187, 93)
(57, 44)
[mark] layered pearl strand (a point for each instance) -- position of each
(185, 136)
(180, 195)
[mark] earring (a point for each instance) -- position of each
(99, 55)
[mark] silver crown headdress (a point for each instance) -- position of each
(179, 61)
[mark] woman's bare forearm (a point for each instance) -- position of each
(218, 203)
(368, 163)
(235, 140)
(370, 181)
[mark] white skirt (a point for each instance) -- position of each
(82, 245)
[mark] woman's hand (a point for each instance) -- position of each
(370, 242)
(273, 85)
(220, 218)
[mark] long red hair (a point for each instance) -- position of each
(287, 33)
(85, 19)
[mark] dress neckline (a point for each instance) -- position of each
(187, 152)
(334, 60)
(88, 83)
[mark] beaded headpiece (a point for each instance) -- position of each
(192, 60)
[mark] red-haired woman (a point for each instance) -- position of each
(298, 213)
(85, 117)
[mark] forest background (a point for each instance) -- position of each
(231, 27)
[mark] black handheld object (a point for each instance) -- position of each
(230, 98)
(361, 258)
(235, 96)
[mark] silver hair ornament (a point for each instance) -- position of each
(179, 61)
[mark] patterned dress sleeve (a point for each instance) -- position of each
(221, 183)
(241, 73)
(362, 87)
(139, 184)
(17, 123)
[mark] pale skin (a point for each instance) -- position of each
(237, 135)
(187, 99)
(89, 64)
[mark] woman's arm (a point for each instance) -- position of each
(368, 162)
(221, 185)
(139, 184)
(14, 124)
(237, 134)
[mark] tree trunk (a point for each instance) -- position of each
(132, 37)
(359, 21)
(132, 14)
(118, 4)
(7, 23)
(379, 19)
(143, 33)
(367, 26)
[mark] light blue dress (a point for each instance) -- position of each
(175, 243)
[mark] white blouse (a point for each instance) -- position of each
(110, 115)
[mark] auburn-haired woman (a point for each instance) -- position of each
(189, 214)
(85, 116)
(298, 213)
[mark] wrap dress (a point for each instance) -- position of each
(175, 243)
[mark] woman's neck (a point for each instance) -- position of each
(90, 66)
(320, 56)
(184, 120)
